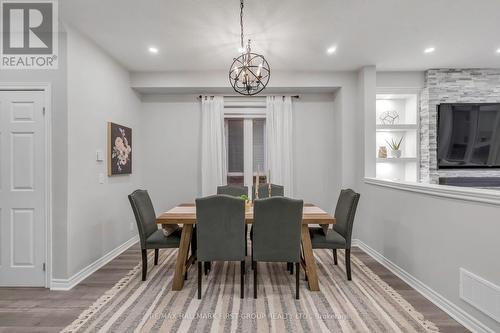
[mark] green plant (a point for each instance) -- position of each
(244, 197)
(395, 144)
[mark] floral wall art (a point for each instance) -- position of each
(119, 149)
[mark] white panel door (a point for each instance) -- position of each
(22, 189)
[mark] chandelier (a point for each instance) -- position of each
(250, 72)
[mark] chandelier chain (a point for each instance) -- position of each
(241, 22)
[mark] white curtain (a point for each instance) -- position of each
(279, 153)
(213, 145)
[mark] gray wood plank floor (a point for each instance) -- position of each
(42, 310)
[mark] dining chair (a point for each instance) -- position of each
(220, 234)
(340, 236)
(277, 223)
(235, 191)
(232, 190)
(276, 191)
(150, 236)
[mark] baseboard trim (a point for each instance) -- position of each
(464, 318)
(68, 284)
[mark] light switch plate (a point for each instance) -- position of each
(99, 156)
(102, 178)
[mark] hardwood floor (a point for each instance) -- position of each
(42, 310)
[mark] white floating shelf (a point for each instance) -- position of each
(397, 160)
(396, 128)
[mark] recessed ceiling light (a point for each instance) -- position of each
(498, 51)
(331, 49)
(153, 49)
(429, 50)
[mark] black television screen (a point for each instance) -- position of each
(468, 135)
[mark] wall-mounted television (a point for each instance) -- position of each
(468, 135)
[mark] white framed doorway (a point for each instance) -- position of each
(25, 185)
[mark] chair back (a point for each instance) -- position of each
(344, 214)
(144, 213)
(276, 191)
(235, 191)
(220, 228)
(276, 229)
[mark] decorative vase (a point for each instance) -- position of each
(382, 152)
(396, 153)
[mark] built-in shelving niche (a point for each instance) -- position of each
(404, 103)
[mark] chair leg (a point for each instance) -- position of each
(242, 277)
(335, 257)
(207, 267)
(199, 279)
(254, 264)
(297, 273)
(156, 256)
(291, 268)
(348, 263)
(144, 264)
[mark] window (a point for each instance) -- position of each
(245, 142)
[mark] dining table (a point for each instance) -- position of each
(185, 215)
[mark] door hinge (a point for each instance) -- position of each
(43, 267)
(43, 111)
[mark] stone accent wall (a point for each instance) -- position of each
(452, 86)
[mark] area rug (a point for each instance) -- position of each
(365, 304)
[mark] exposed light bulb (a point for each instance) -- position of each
(259, 70)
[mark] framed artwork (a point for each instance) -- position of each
(119, 149)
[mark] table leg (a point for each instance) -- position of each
(310, 263)
(187, 231)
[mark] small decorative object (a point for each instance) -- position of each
(249, 72)
(119, 149)
(389, 118)
(382, 152)
(395, 146)
(244, 197)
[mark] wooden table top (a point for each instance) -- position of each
(186, 214)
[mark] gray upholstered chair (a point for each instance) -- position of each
(277, 224)
(276, 191)
(340, 236)
(220, 233)
(235, 191)
(150, 236)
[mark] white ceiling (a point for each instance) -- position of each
(293, 34)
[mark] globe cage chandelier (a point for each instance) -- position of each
(250, 72)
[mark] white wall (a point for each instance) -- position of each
(171, 133)
(413, 79)
(171, 126)
(99, 215)
(432, 237)
(317, 171)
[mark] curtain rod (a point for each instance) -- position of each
(293, 96)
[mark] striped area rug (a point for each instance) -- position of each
(365, 304)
